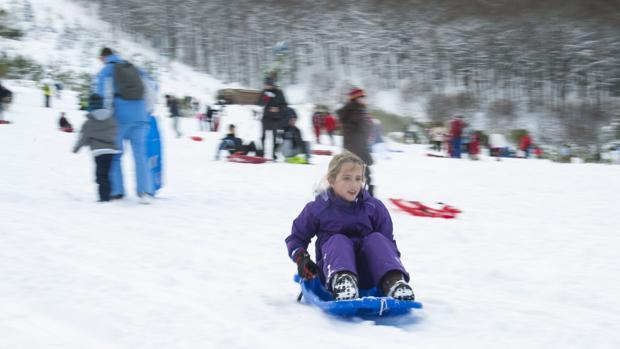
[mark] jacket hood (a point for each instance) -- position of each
(100, 114)
(112, 59)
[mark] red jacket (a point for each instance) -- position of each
(330, 122)
(474, 144)
(456, 127)
(526, 142)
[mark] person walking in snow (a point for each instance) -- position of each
(525, 144)
(317, 124)
(129, 92)
(456, 132)
(355, 245)
(99, 133)
(330, 126)
(47, 94)
(356, 130)
(272, 98)
(175, 114)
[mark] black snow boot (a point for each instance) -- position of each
(344, 286)
(394, 285)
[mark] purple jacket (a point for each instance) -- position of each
(328, 215)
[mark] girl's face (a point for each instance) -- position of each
(348, 182)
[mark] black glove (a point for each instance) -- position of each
(306, 268)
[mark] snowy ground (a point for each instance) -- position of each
(529, 264)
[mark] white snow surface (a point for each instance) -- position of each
(530, 263)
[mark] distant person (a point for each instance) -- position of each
(293, 143)
(525, 144)
(47, 94)
(456, 133)
(127, 91)
(356, 130)
(209, 114)
(474, 146)
(175, 114)
(5, 98)
(58, 88)
(438, 134)
(99, 133)
(234, 144)
(64, 123)
(317, 124)
(377, 144)
(274, 103)
(355, 246)
(330, 126)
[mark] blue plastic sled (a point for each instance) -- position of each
(153, 153)
(369, 305)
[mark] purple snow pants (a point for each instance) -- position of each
(369, 257)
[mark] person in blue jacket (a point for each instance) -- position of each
(355, 242)
(133, 125)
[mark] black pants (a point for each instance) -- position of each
(102, 172)
(274, 134)
(47, 101)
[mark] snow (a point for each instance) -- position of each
(528, 264)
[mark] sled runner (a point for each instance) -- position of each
(322, 152)
(153, 153)
(67, 129)
(246, 159)
(196, 138)
(369, 305)
(417, 208)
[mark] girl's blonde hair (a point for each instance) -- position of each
(335, 165)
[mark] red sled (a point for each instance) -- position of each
(4, 122)
(196, 138)
(322, 152)
(67, 129)
(246, 159)
(417, 208)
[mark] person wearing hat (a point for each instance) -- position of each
(272, 98)
(132, 116)
(355, 124)
(99, 133)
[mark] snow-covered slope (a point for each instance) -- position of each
(529, 264)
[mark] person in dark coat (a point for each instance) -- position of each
(99, 133)
(234, 144)
(63, 122)
(272, 98)
(355, 242)
(175, 114)
(355, 124)
(292, 141)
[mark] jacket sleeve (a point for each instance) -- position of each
(104, 85)
(383, 223)
(83, 138)
(304, 229)
(344, 114)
